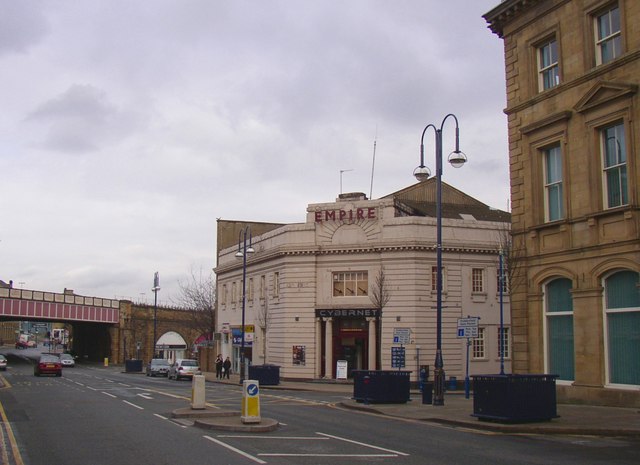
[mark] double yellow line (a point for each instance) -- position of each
(6, 434)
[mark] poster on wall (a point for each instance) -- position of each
(299, 355)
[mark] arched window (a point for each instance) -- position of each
(622, 317)
(559, 316)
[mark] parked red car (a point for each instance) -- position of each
(48, 365)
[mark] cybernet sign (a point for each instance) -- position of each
(345, 215)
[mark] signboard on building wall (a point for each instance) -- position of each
(299, 353)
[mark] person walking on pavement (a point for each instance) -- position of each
(219, 364)
(227, 368)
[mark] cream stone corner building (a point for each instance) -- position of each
(310, 286)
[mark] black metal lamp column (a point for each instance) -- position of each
(422, 173)
(242, 252)
(156, 288)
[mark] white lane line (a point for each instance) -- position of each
(244, 454)
(124, 384)
(79, 384)
(145, 395)
(160, 416)
(288, 438)
(329, 455)
(107, 394)
(362, 444)
(133, 405)
(92, 388)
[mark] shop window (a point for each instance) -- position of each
(608, 35)
(553, 197)
(548, 67)
(559, 319)
(478, 345)
(622, 311)
(350, 284)
(614, 161)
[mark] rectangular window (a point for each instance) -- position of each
(502, 281)
(276, 284)
(503, 342)
(548, 68)
(608, 35)
(478, 345)
(233, 293)
(351, 284)
(223, 297)
(434, 278)
(614, 160)
(263, 286)
(477, 280)
(553, 184)
(250, 290)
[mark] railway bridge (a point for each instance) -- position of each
(102, 328)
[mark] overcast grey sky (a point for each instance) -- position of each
(127, 127)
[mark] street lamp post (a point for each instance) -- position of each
(242, 252)
(156, 288)
(422, 173)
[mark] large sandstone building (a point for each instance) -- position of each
(572, 74)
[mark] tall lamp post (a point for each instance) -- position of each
(156, 288)
(422, 173)
(243, 250)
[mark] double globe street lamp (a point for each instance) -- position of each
(242, 252)
(422, 173)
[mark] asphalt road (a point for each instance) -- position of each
(93, 416)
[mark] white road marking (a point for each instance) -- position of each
(290, 438)
(110, 395)
(362, 444)
(145, 395)
(160, 416)
(244, 454)
(327, 455)
(133, 405)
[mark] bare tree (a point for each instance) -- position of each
(513, 257)
(198, 295)
(380, 298)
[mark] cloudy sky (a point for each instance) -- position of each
(127, 127)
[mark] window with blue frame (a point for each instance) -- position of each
(559, 315)
(622, 297)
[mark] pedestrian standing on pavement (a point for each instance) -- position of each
(227, 368)
(219, 364)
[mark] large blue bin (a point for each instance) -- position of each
(381, 386)
(514, 398)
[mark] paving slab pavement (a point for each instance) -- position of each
(458, 411)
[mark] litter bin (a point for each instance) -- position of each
(133, 366)
(453, 383)
(266, 375)
(427, 393)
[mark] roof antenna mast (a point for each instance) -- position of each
(373, 165)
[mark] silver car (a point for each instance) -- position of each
(158, 367)
(184, 368)
(67, 360)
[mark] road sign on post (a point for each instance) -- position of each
(468, 327)
(401, 335)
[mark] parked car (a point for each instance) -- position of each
(48, 365)
(67, 360)
(3, 362)
(158, 366)
(184, 368)
(25, 344)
